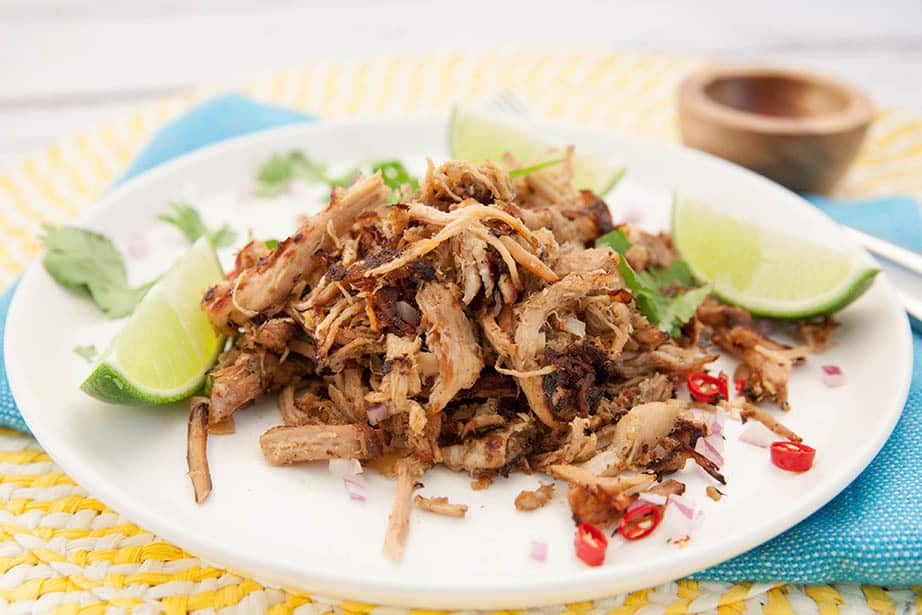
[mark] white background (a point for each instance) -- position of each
(65, 64)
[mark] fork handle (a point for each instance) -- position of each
(892, 252)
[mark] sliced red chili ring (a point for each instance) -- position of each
(590, 544)
(640, 521)
(707, 388)
(793, 456)
(740, 385)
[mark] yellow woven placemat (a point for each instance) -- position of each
(63, 552)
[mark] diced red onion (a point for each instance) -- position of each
(345, 468)
(833, 376)
(757, 434)
(407, 312)
(376, 413)
(717, 422)
(705, 446)
(575, 326)
(538, 550)
(633, 215)
(355, 489)
(137, 246)
(681, 519)
(683, 504)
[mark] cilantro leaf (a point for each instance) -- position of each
(275, 174)
(118, 300)
(304, 168)
(87, 262)
(394, 174)
(88, 353)
(667, 313)
(189, 222)
(679, 309)
(676, 273)
(276, 170)
(223, 237)
(614, 240)
(272, 244)
(535, 167)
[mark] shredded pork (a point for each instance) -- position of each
(474, 326)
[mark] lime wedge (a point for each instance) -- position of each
(763, 271)
(163, 352)
(475, 136)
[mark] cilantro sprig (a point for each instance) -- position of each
(88, 263)
(188, 220)
(667, 313)
(278, 172)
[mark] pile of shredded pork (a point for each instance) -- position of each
(472, 325)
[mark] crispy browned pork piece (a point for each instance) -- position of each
(473, 326)
(765, 364)
(534, 499)
(440, 506)
(196, 445)
(600, 500)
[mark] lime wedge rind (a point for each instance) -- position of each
(107, 383)
(836, 302)
(763, 271)
(164, 351)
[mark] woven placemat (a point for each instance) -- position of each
(64, 552)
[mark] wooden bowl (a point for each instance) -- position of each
(799, 129)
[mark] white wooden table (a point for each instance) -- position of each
(65, 64)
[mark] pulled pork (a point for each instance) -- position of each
(472, 326)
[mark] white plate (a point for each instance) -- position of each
(295, 526)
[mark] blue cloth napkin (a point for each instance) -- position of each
(870, 533)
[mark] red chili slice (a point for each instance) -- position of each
(640, 521)
(707, 388)
(793, 456)
(590, 544)
(740, 385)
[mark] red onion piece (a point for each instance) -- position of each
(683, 504)
(717, 422)
(757, 434)
(355, 489)
(376, 414)
(633, 215)
(705, 446)
(538, 550)
(833, 376)
(680, 520)
(345, 468)
(137, 246)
